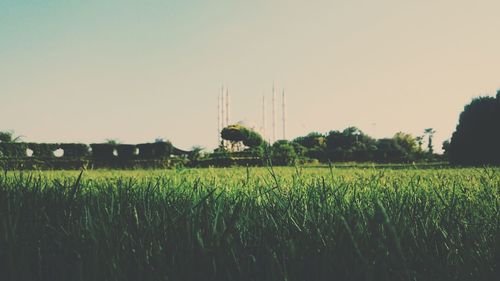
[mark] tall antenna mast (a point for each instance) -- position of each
(218, 120)
(284, 114)
(222, 108)
(264, 116)
(274, 114)
(227, 107)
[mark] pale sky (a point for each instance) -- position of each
(85, 71)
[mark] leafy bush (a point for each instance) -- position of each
(350, 145)
(102, 151)
(43, 150)
(74, 150)
(126, 151)
(283, 153)
(162, 149)
(13, 150)
(389, 150)
(154, 150)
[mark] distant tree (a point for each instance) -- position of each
(312, 140)
(429, 132)
(390, 151)
(476, 139)
(195, 153)
(408, 144)
(112, 141)
(420, 141)
(313, 146)
(446, 147)
(238, 133)
(350, 145)
(8, 136)
(301, 150)
(283, 153)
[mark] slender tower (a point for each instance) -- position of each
(218, 120)
(222, 108)
(283, 113)
(274, 114)
(227, 107)
(264, 116)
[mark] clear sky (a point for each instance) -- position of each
(85, 71)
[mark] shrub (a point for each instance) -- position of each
(43, 150)
(283, 153)
(155, 150)
(74, 150)
(162, 149)
(13, 150)
(102, 151)
(126, 151)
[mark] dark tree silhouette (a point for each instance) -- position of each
(237, 133)
(8, 136)
(476, 139)
(350, 145)
(430, 134)
(283, 153)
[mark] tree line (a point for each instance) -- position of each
(476, 141)
(348, 145)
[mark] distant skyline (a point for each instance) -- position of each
(87, 71)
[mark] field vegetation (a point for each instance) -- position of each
(251, 224)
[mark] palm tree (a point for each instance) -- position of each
(430, 133)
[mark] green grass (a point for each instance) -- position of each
(251, 224)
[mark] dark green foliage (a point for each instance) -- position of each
(476, 139)
(253, 139)
(234, 133)
(237, 133)
(402, 148)
(390, 151)
(5, 137)
(162, 149)
(74, 150)
(313, 140)
(13, 150)
(8, 136)
(146, 150)
(283, 153)
(430, 134)
(350, 145)
(312, 146)
(32, 163)
(155, 150)
(126, 151)
(103, 151)
(43, 150)
(153, 155)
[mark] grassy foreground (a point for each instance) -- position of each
(251, 224)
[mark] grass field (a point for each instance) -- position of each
(251, 224)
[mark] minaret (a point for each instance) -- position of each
(218, 120)
(227, 107)
(284, 114)
(274, 115)
(222, 108)
(264, 116)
